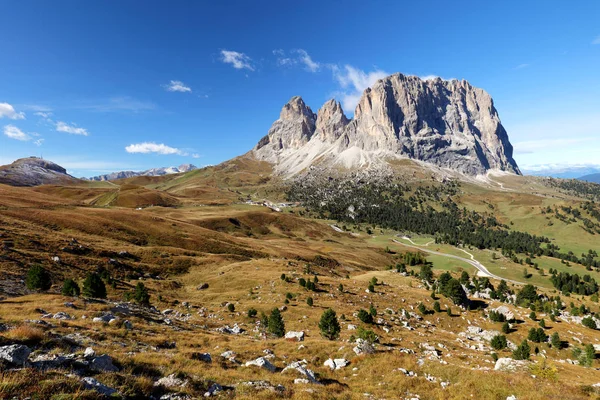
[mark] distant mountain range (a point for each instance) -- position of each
(595, 178)
(150, 172)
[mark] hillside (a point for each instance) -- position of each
(221, 237)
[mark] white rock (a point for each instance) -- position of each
(336, 363)
(298, 336)
(262, 363)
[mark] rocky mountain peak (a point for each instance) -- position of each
(447, 123)
(331, 121)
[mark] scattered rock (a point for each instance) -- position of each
(509, 365)
(300, 367)
(206, 357)
(204, 286)
(16, 354)
(92, 384)
(171, 381)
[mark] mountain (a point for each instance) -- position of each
(150, 172)
(450, 124)
(595, 178)
(562, 171)
(33, 171)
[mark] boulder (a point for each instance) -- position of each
(509, 365)
(15, 354)
(297, 336)
(206, 357)
(300, 367)
(506, 312)
(262, 363)
(103, 363)
(363, 347)
(336, 363)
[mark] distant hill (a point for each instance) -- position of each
(595, 178)
(34, 171)
(150, 172)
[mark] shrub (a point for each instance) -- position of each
(371, 288)
(436, 306)
(367, 335)
(555, 341)
(341, 288)
(528, 294)
(276, 325)
(426, 273)
(311, 285)
(141, 294)
(522, 352)
(537, 335)
(422, 309)
(372, 310)
(496, 316)
(498, 342)
(283, 277)
(543, 323)
(455, 292)
(93, 286)
(289, 296)
(373, 281)
(70, 288)
(38, 278)
(252, 313)
(309, 301)
(449, 311)
(26, 334)
(533, 316)
(329, 325)
(589, 323)
(316, 280)
(302, 282)
(365, 317)
(506, 328)
(230, 307)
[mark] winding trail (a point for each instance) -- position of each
(479, 266)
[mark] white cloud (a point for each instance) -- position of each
(531, 146)
(71, 129)
(308, 62)
(353, 82)
(237, 60)
(150, 147)
(177, 86)
(43, 114)
(8, 111)
(195, 155)
(118, 104)
(13, 132)
(521, 66)
(295, 57)
(38, 142)
(596, 41)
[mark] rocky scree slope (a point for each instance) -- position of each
(33, 171)
(450, 124)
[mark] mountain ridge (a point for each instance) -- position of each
(149, 172)
(450, 124)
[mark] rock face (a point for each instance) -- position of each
(15, 354)
(450, 124)
(34, 171)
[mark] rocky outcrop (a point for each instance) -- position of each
(34, 171)
(450, 124)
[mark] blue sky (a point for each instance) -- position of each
(100, 86)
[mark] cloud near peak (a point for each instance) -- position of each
(151, 147)
(353, 82)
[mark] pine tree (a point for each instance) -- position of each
(373, 310)
(522, 352)
(329, 325)
(70, 288)
(38, 278)
(506, 328)
(93, 286)
(498, 342)
(436, 306)
(141, 294)
(365, 317)
(309, 301)
(276, 324)
(555, 341)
